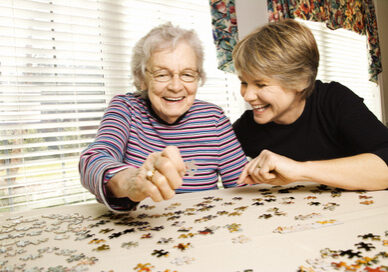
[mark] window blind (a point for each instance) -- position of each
(343, 58)
(61, 61)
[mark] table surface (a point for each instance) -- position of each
(304, 227)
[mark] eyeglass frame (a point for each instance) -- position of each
(171, 75)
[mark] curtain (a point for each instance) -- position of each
(356, 15)
(225, 33)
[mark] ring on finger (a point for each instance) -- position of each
(150, 174)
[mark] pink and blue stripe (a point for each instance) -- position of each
(129, 132)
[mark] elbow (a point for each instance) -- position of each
(379, 183)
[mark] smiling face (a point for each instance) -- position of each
(173, 98)
(271, 102)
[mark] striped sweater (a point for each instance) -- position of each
(130, 131)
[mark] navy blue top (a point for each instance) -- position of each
(335, 123)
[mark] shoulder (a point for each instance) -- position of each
(334, 92)
(206, 109)
(206, 115)
(244, 121)
(129, 98)
(130, 101)
(336, 102)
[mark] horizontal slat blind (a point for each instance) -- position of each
(343, 58)
(61, 61)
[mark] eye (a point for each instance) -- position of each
(260, 85)
(161, 75)
(188, 76)
(243, 83)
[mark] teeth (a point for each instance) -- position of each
(173, 99)
(258, 107)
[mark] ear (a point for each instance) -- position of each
(143, 86)
(302, 86)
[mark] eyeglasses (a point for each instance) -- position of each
(164, 75)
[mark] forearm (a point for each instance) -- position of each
(94, 167)
(231, 156)
(120, 184)
(360, 172)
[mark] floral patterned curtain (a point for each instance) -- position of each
(356, 15)
(225, 33)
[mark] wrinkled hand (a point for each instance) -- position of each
(165, 174)
(271, 168)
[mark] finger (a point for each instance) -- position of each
(241, 179)
(148, 165)
(153, 192)
(243, 175)
(162, 185)
(146, 173)
(250, 180)
(262, 158)
(261, 162)
(267, 175)
(254, 172)
(173, 153)
(267, 169)
(256, 177)
(252, 165)
(167, 168)
(264, 173)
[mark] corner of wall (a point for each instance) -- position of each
(382, 25)
(250, 15)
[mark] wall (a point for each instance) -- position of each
(382, 24)
(250, 15)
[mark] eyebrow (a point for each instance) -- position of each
(157, 67)
(260, 81)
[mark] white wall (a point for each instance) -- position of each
(250, 15)
(382, 25)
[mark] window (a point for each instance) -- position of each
(343, 58)
(61, 61)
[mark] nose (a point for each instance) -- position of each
(175, 83)
(248, 93)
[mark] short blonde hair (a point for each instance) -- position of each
(165, 36)
(285, 51)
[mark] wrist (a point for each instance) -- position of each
(119, 185)
(307, 171)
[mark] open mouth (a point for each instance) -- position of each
(260, 108)
(173, 99)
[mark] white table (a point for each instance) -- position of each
(254, 228)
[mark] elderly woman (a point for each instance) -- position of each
(299, 128)
(161, 140)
